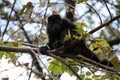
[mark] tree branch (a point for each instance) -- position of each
(113, 42)
(16, 49)
(104, 24)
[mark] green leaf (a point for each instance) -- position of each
(81, 26)
(100, 54)
(50, 67)
(1, 54)
(49, 59)
(75, 68)
(64, 68)
(18, 44)
(9, 44)
(13, 58)
(55, 67)
(88, 73)
(91, 47)
(88, 79)
(82, 76)
(1, 42)
(101, 48)
(102, 42)
(96, 76)
(22, 10)
(7, 55)
(57, 70)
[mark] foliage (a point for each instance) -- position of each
(25, 23)
(27, 9)
(101, 48)
(10, 55)
(58, 68)
(68, 36)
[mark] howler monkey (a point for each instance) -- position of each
(57, 28)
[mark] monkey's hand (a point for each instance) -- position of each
(43, 49)
(57, 44)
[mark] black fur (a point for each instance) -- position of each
(57, 28)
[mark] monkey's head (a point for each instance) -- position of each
(54, 25)
(54, 18)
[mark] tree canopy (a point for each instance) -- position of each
(23, 31)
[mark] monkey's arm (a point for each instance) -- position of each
(49, 46)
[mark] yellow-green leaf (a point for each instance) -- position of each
(68, 36)
(9, 44)
(7, 55)
(100, 54)
(116, 64)
(1, 42)
(80, 1)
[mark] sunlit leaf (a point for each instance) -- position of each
(68, 36)
(7, 55)
(51, 66)
(57, 70)
(19, 44)
(64, 68)
(101, 48)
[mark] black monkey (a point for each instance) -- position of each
(57, 28)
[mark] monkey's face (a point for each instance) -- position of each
(55, 28)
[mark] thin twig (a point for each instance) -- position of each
(8, 20)
(95, 11)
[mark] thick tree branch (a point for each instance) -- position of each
(16, 49)
(51, 52)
